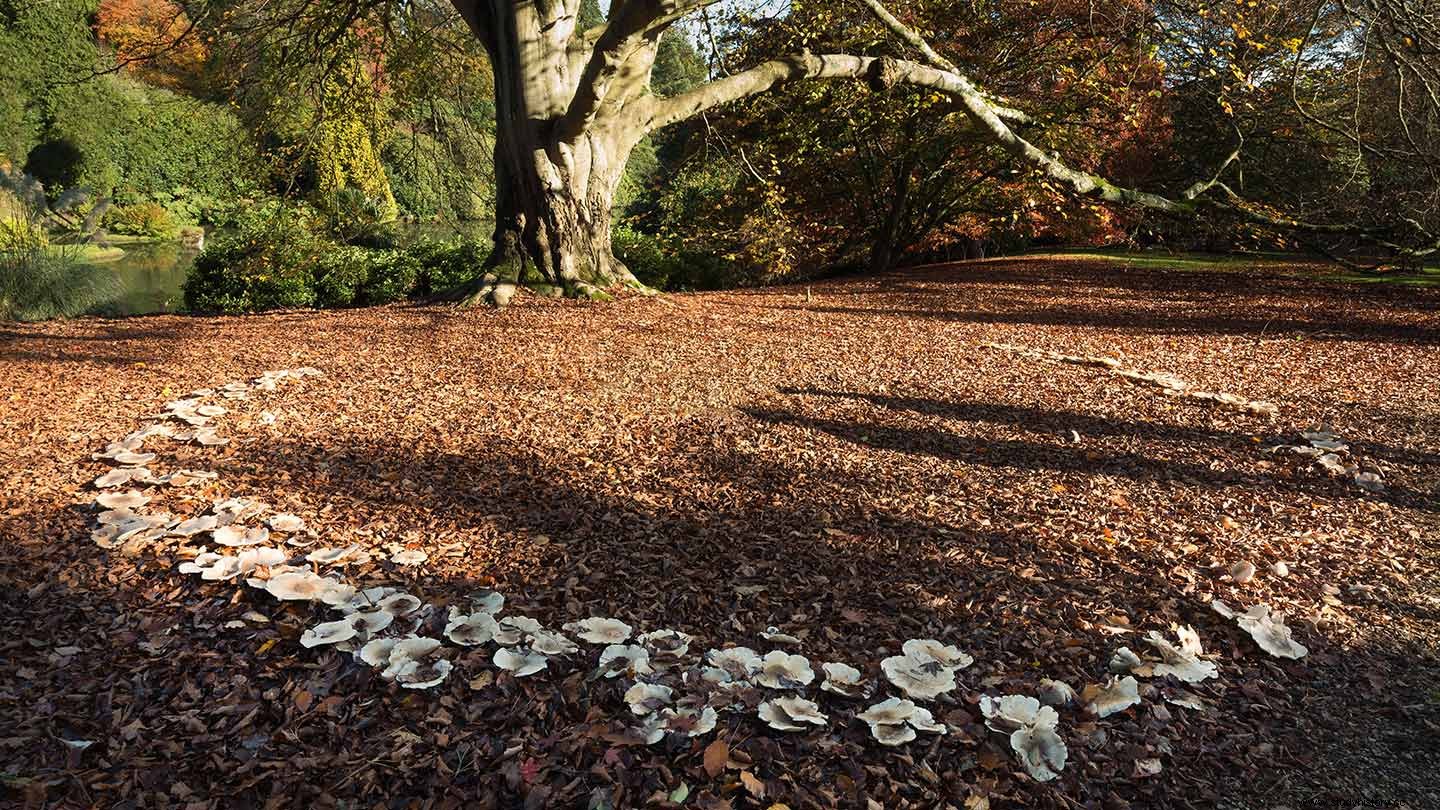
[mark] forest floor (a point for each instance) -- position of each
(848, 462)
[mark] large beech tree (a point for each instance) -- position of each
(573, 100)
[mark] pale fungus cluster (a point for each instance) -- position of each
(1169, 384)
(667, 688)
(1332, 454)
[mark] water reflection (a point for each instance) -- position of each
(149, 278)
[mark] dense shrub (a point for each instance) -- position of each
(445, 265)
(666, 265)
(285, 257)
(142, 219)
(268, 264)
(392, 277)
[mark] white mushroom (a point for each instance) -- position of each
(1117, 695)
(943, 654)
(644, 698)
(1056, 693)
(1041, 752)
(417, 675)
(488, 601)
(891, 734)
(233, 535)
(781, 670)
(1184, 661)
(665, 646)
(919, 676)
(400, 604)
(1270, 632)
(128, 458)
(888, 712)
(1125, 661)
(409, 557)
(471, 630)
(844, 680)
(618, 659)
(922, 720)
(596, 630)
(194, 526)
(329, 633)
(732, 665)
(775, 635)
(549, 642)
(520, 661)
(1242, 572)
(122, 500)
(791, 713)
(286, 522)
(298, 586)
(329, 556)
(690, 722)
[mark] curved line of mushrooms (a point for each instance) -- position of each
(1326, 448)
(1169, 384)
(667, 691)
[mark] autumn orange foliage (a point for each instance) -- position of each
(154, 39)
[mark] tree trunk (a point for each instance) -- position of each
(883, 251)
(555, 179)
(552, 218)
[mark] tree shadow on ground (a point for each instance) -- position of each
(1062, 422)
(1089, 294)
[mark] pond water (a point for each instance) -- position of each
(149, 278)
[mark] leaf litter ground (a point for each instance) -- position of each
(851, 465)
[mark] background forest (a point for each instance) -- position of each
(368, 176)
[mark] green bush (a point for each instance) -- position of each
(50, 283)
(268, 264)
(445, 265)
(665, 265)
(392, 277)
(340, 272)
(142, 219)
(20, 234)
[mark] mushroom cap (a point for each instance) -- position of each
(944, 654)
(417, 675)
(326, 556)
(923, 720)
(597, 630)
(1115, 696)
(488, 601)
(376, 652)
(893, 711)
(791, 714)
(890, 734)
(1056, 693)
(1183, 661)
(409, 556)
(328, 633)
(471, 630)
(132, 499)
(733, 664)
(782, 670)
(285, 522)
(619, 658)
(520, 661)
(690, 722)
(644, 698)
(1015, 711)
(233, 535)
(1270, 632)
(1040, 750)
(400, 603)
(298, 586)
(919, 677)
(549, 642)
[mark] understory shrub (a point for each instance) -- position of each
(445, 265)
(268, 263)
(53, 282)
(285, 258)
(147, 219)
(666, 265)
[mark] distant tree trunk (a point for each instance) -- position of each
(885, 250)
